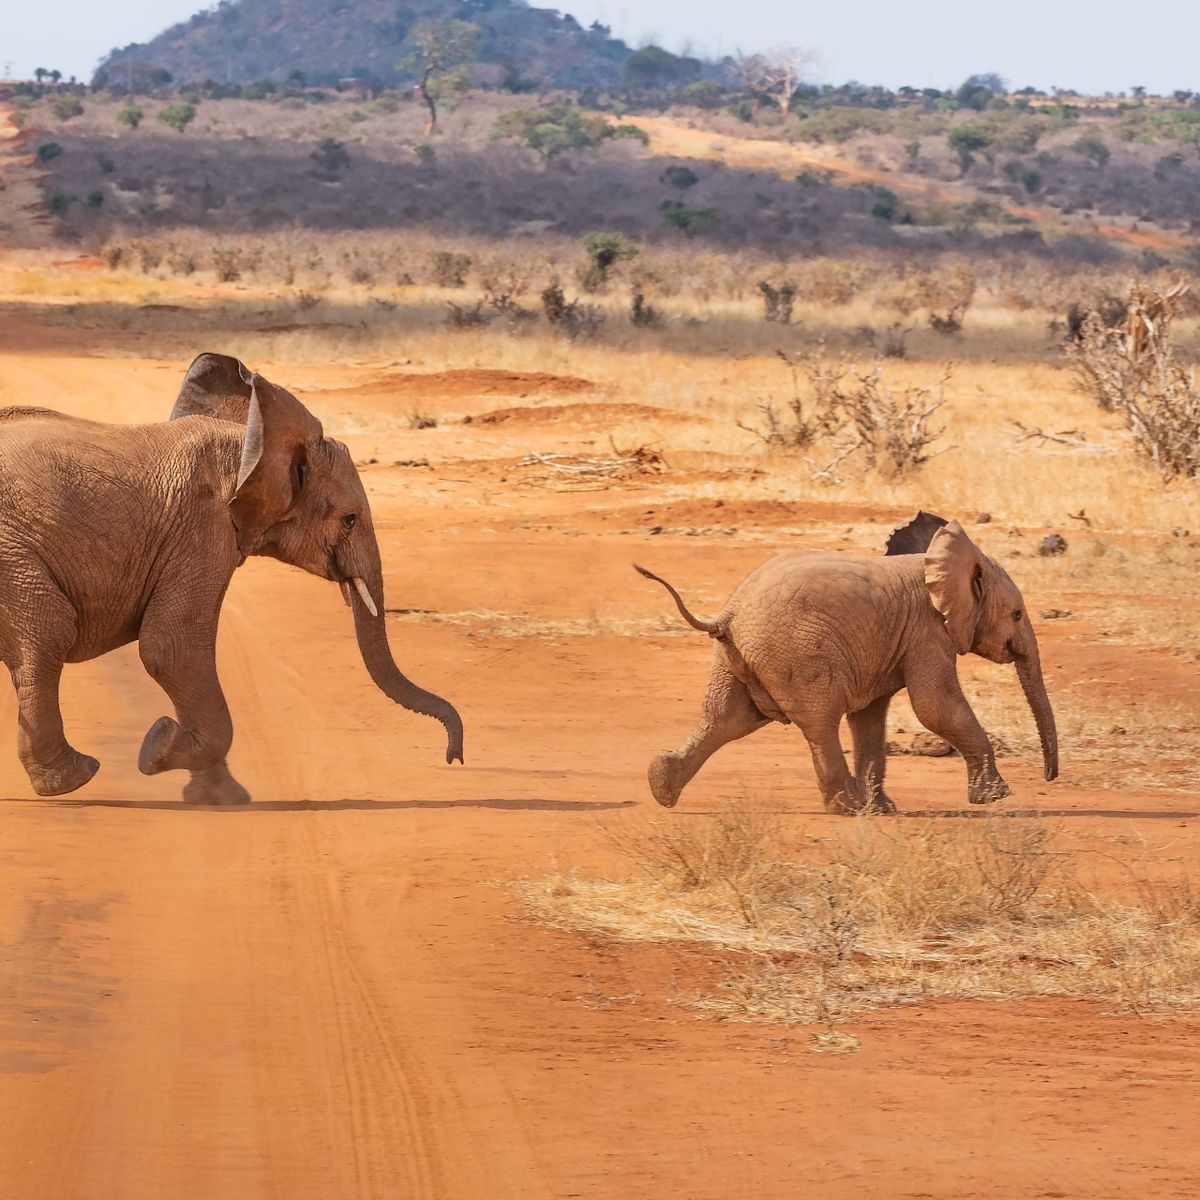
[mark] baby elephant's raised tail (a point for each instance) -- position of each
(714, 628)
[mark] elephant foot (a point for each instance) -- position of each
(216, 788)
(158, 747)
(70, 773)
(987, 790)
(662, 781)
(881, 803)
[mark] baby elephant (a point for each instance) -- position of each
(811, 637)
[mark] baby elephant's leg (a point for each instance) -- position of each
(868, 728)
(941, 706)
(840, 791)
(728, 714)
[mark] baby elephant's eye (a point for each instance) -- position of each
(349, 521)
(1016, 614)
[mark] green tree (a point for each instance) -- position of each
(1092, 146)
(66, 107)
(438, 48)
(605, 250)
(130, 115)
(178, 116)
(654, 67)
(965, 140)
(560, 127)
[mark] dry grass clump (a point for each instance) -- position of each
(887, 912)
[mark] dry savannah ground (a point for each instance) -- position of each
(391, 978)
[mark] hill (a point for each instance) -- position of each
(241, 41)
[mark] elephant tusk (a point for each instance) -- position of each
(346, 593)
(365, 596)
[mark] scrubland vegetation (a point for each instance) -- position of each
(882, 913)
(836, 310)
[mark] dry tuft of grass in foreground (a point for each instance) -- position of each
(886, 912)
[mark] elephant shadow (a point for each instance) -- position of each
(346, 804)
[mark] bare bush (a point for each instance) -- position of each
(891, 341)
(449, 268)
(1133, 371)
(947, 295)
(854, 410)
(778, 301)
(893, 431)
(570, 317)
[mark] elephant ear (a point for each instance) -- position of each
(280, 436)
(914, 538)
(215, 386)
(954, 570)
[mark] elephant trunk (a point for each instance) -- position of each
(1029, 672)
(376, 654)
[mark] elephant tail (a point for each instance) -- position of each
(714, 629)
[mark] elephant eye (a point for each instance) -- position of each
(349, 521)
(1016, 614)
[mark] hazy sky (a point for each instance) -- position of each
(1090, 45)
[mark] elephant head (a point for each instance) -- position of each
(983, 610)
(299, 498)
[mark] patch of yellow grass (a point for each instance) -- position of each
(885, 912)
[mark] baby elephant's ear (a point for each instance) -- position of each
(914, 538)
(954, 575)
(215, 386)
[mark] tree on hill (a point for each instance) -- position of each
(438, 48)
(775, 76)
(652, 67)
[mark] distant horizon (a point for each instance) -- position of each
(930, 44)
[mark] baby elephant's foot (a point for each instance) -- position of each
(881, 802)
(662, 774)
(66, 774)
(215, 787)
(987, 788)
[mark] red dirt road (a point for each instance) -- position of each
(326, 996)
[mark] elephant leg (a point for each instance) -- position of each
(53, 766)
(840, 791)
(728, 714)
(868, 728)
(940, 706)
(200, 736)
(214, 786)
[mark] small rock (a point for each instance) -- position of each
(983, 518)
(654, 529)
(1055, 614)
(1118, 731)
(1052, 544)
(1180, 533)
(929, 745)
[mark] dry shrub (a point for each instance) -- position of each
(1133, 370)
(777, 301)
(887, 912)
(857, 413)
(572, 318)
(947, 295)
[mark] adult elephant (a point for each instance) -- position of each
(111, 533)
(810, 638)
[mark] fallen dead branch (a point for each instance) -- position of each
(583, 471)
(1066, 437)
